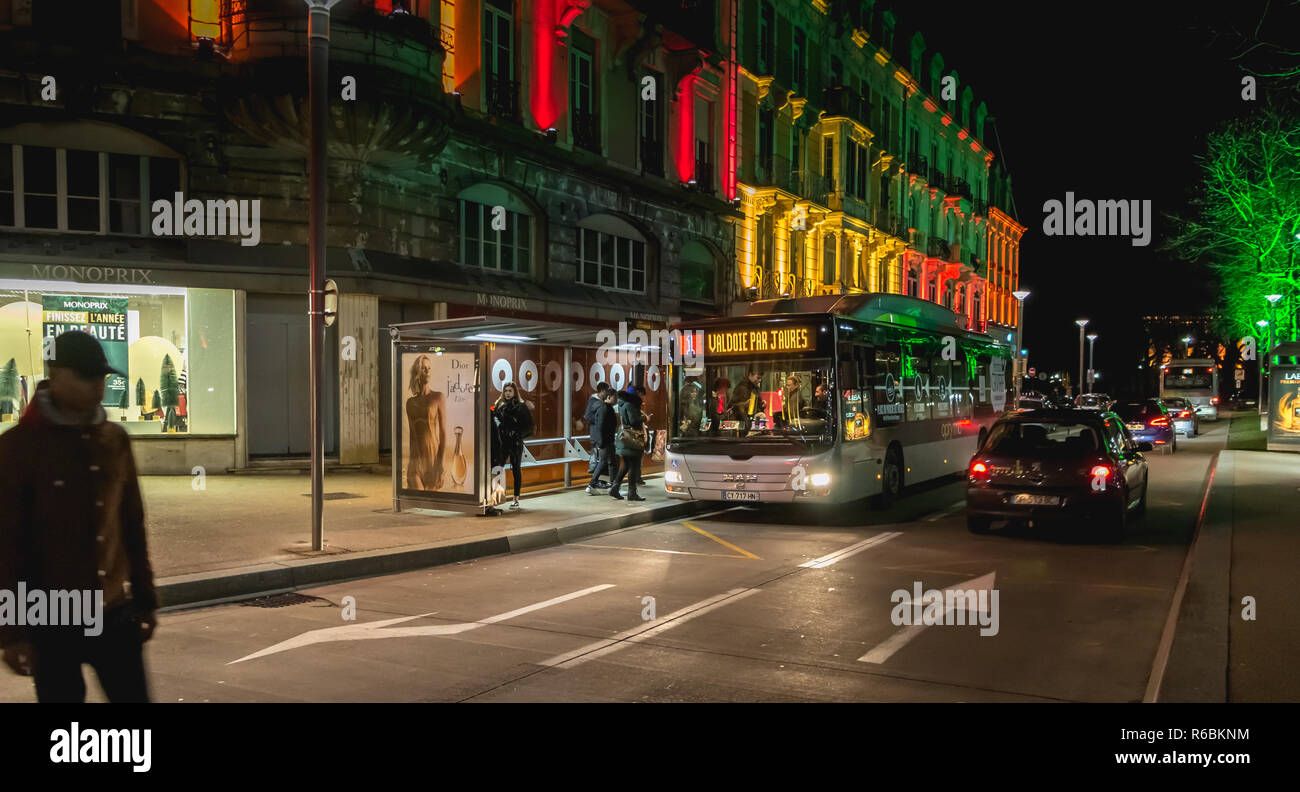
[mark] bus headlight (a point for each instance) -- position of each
(672, 477)
(820, 479)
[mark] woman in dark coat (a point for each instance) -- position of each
(513, 423)
(631, 422)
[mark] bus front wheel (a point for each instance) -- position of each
(891, 485)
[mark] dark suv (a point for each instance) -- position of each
(1056, 465)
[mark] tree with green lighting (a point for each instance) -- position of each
(1246, 217)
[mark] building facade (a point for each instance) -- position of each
(553, 159)
(862, 164)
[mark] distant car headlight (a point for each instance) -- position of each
(673, 477)
(821, 479)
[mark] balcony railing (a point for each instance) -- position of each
(703, 181)
(803, 184)
(918, 165)
(502, 97)
(959, 187)
(652, 156)
(586, 130)
(936, 179)
(842, 101)
(939, 248)
(788, 285)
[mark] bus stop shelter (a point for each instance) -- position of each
(443, 371)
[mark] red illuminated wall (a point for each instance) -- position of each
(684, 129)
(546, 96)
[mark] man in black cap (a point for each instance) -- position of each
(72, 520)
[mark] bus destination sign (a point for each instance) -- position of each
(741, 342)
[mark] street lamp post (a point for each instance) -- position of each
(1261, 324)
(1082, 323)
(1020, 295)
(318, 33)
(1188, 341)
(1092, 337)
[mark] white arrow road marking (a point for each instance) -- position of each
(903, 637)
(637, 634)
(371, 630)
(853, 549)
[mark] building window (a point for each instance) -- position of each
(66, 189)
(828, 161)
(610, 261)
(6, 185)
(829, 275)
(800, 67)
(501, 90)
(913, 283)
(582, 96)
(650, 124)
(506, 248)
(766, 36)
(765, 145)
(796, 150)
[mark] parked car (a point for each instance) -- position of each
(1149, 421)
(1186, 416)
(1058, 465)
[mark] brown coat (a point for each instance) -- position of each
(71, 515)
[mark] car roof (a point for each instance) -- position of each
(1055, 414)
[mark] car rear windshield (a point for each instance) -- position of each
(1145, 409)
(1042, 438)
(1179, 403)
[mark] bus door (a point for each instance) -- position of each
(853, 388)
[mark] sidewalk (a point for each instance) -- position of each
(244, 535)
(1249, 546)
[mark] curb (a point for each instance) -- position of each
(1195, 643)
(210, 588)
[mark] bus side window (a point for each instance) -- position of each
(886, 383)
(941, 385)
(962, 396)
(919, 387)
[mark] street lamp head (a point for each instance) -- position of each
(1262, 323)
(1092, 336)
(1020, 294)
(1272, 298)
(1187, 339)
(1081, 322)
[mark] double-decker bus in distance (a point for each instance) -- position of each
(1194, 379)
(829, 399)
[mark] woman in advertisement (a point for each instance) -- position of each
(513, 423)
(426, 416)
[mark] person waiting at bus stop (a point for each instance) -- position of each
(630, 443)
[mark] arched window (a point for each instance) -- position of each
(496, 230)
(611, 254)
(84, 176)
(697, 272)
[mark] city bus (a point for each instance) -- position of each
(829, 400)
(1194, 379)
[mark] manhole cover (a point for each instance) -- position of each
(335, 495)
(280, 600)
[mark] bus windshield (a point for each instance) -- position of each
(787, 398)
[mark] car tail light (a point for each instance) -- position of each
(979, 471)
(1214, 400)
(1100, 470)
(1159, 421)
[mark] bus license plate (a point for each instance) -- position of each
(745, 496)
(1025, 499)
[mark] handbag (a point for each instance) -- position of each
(632, 438)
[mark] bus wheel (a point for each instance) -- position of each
(891, 477)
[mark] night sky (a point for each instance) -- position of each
(1110, 101)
